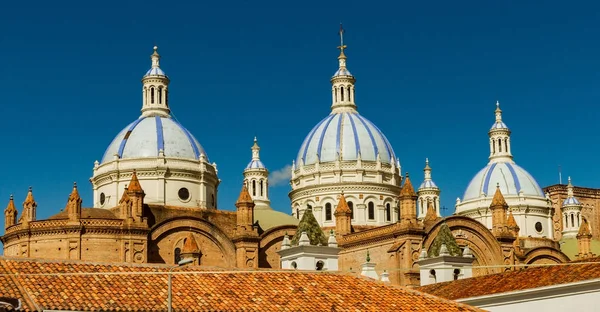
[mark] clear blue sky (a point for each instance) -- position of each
(428, 75)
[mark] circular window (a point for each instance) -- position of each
(538, 226)
(102, 198)
(183, 193)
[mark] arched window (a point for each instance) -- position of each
(351, 206)
(566, 221)
(297, 213)
(342, 93)
(335, 90)
(261, 188)
(432, 279)
(456, 273)
(212, 197)
(493, 146)
(371, 211)
(506, 145)
(177, 255)
(320, 265)
(152, 95)
(572, 220)
(167, 97)
(500, 145)
(421, 203)
(253, 187)
(159, 95)
(328, 212)
(388, 212)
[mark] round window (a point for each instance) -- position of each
(538, 226)
(183, 193)
(102, 198)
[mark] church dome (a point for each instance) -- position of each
(348, 135)
(147, 136)
(511, 178)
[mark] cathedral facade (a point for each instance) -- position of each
(156, 200)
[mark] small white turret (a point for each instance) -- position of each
(256, 177)
(428, 192)
(155, 92)
(571, 213)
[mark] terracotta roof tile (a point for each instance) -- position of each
(532, 277)
(61, 286)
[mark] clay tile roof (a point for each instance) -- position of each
(134, 184)
(342, 206)
(498, 199)
(11, 205)
(244, 195)
(529, 278)
(84, 286)
(584, 228)
(190, 245)
(512, 223)
(407, 189)
(29, 199)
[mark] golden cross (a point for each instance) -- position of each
(341, 46)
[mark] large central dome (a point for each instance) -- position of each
(348, 135)
(147, 136)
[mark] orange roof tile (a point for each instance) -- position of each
(244, 195)
(62, 285)
(407, 189)
(498, 199)
(529, 278)
(134, 184)
(342, 206)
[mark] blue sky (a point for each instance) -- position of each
(428, 75)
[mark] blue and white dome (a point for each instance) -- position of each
(155, 71)
(347, 134)
(146, 136)
(571, 201)
(511, 178)
(256, 164)
(427, 184)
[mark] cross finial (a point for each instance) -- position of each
(341, 46)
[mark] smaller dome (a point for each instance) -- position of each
(256, 164)
(428, 184)
(155, 71)
(147, 136)
(342, 72)
(499, 125)
(511, 178)
(571, 201)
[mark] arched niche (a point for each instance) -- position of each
(217, 249)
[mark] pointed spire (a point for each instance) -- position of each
(444, 240)
(134, 184)
(155, 58)
(498, 112)
(343, 83)
(511, 222)
(498, 199)
(570, 188)
(431, 215)
(309, 226)
(407, 189)
(29, 199)
(584, 229)
(342, 206)
(11, 205)
(342, 47)
(74, 196)
(255, 150)
(190, 245)
(244, 196)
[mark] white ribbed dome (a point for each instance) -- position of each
(146, 136)
(508, 175)
(347, 134)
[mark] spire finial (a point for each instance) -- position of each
(255, 150)
(155, 58)
(342, 46)
(498, 112)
